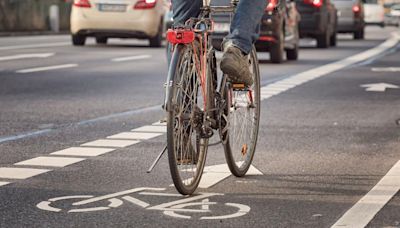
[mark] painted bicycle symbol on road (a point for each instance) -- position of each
(183, 208)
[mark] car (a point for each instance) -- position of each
(374, 13)
(103, 19)
(319, 21)
(278, 29)
(350, 17)
(393, 17)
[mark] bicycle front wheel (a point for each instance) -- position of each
(242, 117)
(186, 112)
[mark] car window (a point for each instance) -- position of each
(371, 1)
(396, 7)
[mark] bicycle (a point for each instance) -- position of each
(198, 102)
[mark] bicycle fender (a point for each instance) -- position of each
(171, 75)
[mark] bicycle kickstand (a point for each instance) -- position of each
(157, 160)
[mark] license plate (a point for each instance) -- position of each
(221, 27)
(112, 7)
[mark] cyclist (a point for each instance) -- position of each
(238, 44)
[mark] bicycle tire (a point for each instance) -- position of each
(186, 148)
(240, 142)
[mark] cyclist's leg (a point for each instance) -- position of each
(185, 9)
(244, 27)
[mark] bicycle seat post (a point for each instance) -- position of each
(206, 3)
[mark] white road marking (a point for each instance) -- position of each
(47, 68)
(385, 69)
(111, 143)
(20, 173)
(59, 44)
(129, 58)
(135, 135)
(50, 161)
(83, 151)
(2, 183)
(136, 201)
(243, 209)
(158, 123)
(379, 87)
(154, 128)
(368, 206)
(314, 73)
(26, 56)
(217, 173)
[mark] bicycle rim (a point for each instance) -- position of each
(242, 116)
(186, 148)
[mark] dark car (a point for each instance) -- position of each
(278, 30)
(318, 20)
(350, 17)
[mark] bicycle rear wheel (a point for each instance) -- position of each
(242, 117)
(186, 107)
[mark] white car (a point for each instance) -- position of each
(105, 19)
(374, 13)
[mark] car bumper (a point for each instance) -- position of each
(142, 27)
(311, 25)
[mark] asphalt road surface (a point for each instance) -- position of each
(79, 127)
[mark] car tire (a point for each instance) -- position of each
(276, 50)
(156, 41)
(333, 39)
(293, 54)
(359, 35)
(323, 40)
(78, 40)
(101, 40)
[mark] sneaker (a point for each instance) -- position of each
(236, 65)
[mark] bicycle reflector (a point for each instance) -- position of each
(180, 36)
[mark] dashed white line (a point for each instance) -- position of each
(58, 44)
(50, 161)
(135, 135)
(130, 58)
(111, 143)
(26, 56)
(367, 207)
(20, 173)
(151, 128)
(83, 151)
(47, 68)
(2, 183)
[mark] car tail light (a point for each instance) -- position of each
(315, 3)
(180, 36)
(271, 5)
(356, 9)
(82, 3)
(145, 4)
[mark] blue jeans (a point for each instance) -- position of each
(244, 26)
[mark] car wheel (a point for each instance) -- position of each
(101, 40)
(78, 40)
(277, 49)
(293, 54)
(359, 35)
(157, 40)
(323, 40)
(333, 39)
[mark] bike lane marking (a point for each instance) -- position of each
(51, 161)
(135, 135)
(2, 183)
(368, 206)
(20, 173)
(83, 151)
(47, 68)
(111, 143)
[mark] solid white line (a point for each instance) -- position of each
(2, 183)
(129, 58)
(35, 46)
(50, 161)
(39, 69)
(20, 173)
(83, 151)
(368, 206)
(111, 143)
(135, 135)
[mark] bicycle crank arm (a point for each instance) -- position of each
(157, 160)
